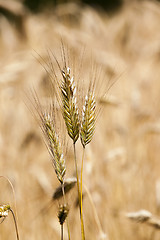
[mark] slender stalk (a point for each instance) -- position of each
(61, 231)
(79, 194)
(63, 192)
(81, 182)
(69, 236)
(62, 185)
(75, 160)
(95, 213)
(15, 223)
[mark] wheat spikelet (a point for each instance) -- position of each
(69, 104)
(4, 210)
(54, 147)
(63, 213)
(88, 119)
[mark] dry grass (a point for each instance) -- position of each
(121, 169)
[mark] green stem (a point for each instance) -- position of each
(79, 195)
(15, 223)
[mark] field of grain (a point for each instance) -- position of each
(122, 163)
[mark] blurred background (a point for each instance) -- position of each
(38, 5)
(121, 168)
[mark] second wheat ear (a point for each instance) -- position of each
(54, 147)
(88, 119)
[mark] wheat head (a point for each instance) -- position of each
(88, 119)
(69, 104)
(63, 213)
(4, 210)
(54, 147)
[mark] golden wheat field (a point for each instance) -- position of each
(122, 163)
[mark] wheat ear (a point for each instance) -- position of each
(62, 215)
(4, 210)
(69, 104)
(88, 119)
(54, 147)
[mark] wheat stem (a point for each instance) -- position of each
(15, 223)
(81, 182)
(95, 212)
(79, 195)
(64, 198)
(62, 232)
(69, 236)
(76, 167)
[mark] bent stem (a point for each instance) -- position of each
(15, 223)
(79, 194)
(95, 214)
(14, 195)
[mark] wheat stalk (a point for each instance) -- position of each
(71, 118)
